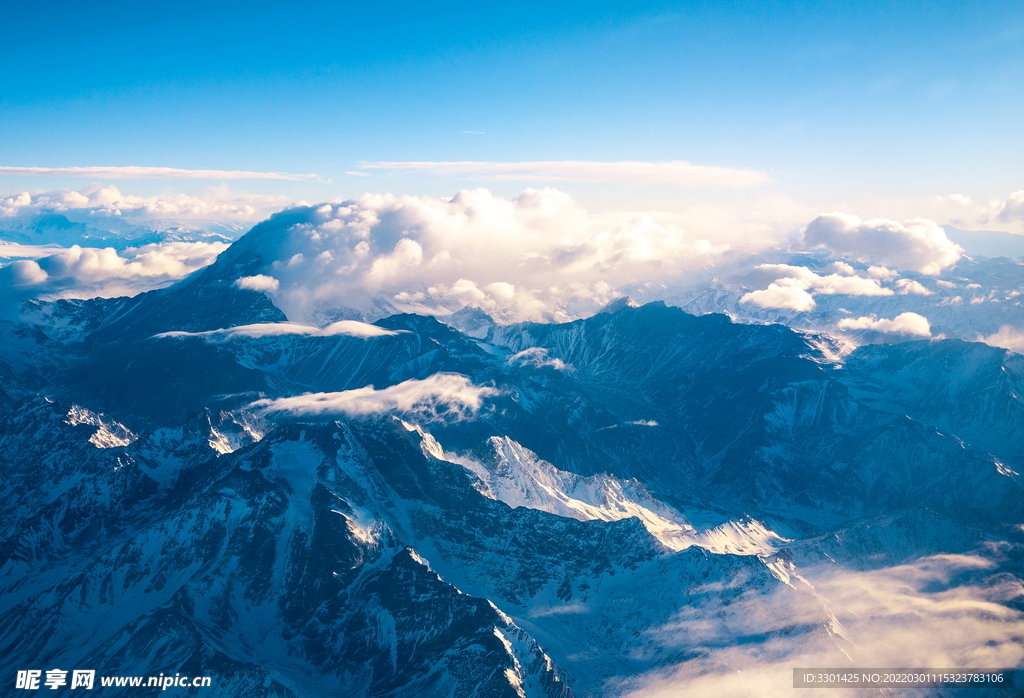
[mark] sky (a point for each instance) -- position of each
(870, 108)
(533, 160)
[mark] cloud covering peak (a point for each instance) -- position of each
(538, 256)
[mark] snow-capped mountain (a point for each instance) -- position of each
(56, 229)
(194, 484)
(972, 299)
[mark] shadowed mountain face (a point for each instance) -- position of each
(286, 509)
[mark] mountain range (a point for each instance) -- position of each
(410, 507)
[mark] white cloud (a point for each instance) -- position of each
(441, 397)
(134, 172)
(260, 282)
(781, 295)
(844, 283)
(904, 323)
(21, 274)
(12, 250)
(796, 275)
(883, 273)
(675, 174)
(96, 202)
(538, 357)
(1006, 338)
(849, 286)
(908, 286)
(914, 615)
(87, 272)
(838, 268)
(538, 256)
(1013, 208)
(917, 244)
(348, 328)
(791, 286)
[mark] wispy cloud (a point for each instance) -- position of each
(347, 328)
(676, 173)
(941, 611)
(441, 397)
(135, 172)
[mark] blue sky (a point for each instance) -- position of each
(873, 107)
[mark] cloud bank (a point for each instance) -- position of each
(134, 172)
(676, 173)
(918, 244)
(97, 202)
(346, 328)
(86, 272)
(538, 256)
(441, 397)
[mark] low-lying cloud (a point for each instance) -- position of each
(97, 202)
(113, 244)
(538, 357)
(346, 328)
(783, 294)
(1006, 337)
(87, 272)
(904, 323)
(441, 397)
(259, 282)
(922, 614)
(793, 287)
(676, 173)
(1012, 209)
(918, 244)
